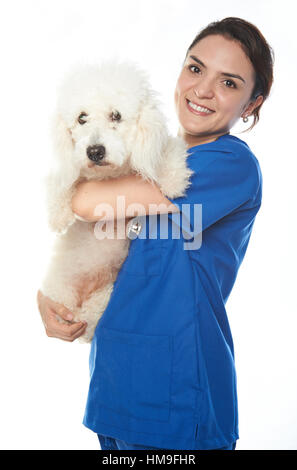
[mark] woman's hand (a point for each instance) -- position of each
(49, 310)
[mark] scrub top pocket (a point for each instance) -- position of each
(143, 260)
(145, 257)
(134, 374)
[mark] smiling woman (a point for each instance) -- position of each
(162, 358)
(211, 87)
(255, 56)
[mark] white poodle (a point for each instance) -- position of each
(107, 123)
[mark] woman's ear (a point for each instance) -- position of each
(150, 141)
(253, 105)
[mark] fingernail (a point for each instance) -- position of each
(69, 316)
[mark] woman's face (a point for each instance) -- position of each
(216, 75)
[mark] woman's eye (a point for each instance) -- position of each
(194, 68)
(232, 84)
(82, 118)
(115, 116)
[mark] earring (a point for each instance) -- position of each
(245, 118)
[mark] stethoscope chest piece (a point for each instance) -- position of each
(133, 228)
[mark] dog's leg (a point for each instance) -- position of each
(59, 196)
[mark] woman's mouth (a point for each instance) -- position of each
(199, 110)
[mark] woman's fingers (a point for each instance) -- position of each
(65, 332)
(49, 311)
(77, 333)
(61, 310)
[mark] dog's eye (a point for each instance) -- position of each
(81, 118)
(115, 116)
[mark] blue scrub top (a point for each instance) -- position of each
(162, 358)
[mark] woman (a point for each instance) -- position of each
(162, 357)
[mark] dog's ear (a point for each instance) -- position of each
(60, 181)
(150, 140)
(63, 151)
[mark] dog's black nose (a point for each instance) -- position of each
(96, 153)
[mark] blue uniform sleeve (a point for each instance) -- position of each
(220, 185)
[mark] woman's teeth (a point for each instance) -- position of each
(199, 108)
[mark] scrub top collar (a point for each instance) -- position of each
(209, 143)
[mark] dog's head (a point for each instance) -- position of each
(107, 118)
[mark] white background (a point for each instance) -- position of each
(44, 381)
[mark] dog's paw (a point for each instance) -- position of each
(175, 176)
(60, 224)
(175, 184)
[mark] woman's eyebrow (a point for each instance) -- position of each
(226, 74)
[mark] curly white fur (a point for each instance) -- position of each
(137, 143)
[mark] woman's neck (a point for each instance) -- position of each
(193, 140)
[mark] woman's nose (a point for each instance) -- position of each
(204, 89)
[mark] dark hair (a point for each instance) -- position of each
(255, 47)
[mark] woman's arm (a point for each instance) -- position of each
(122, 197)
